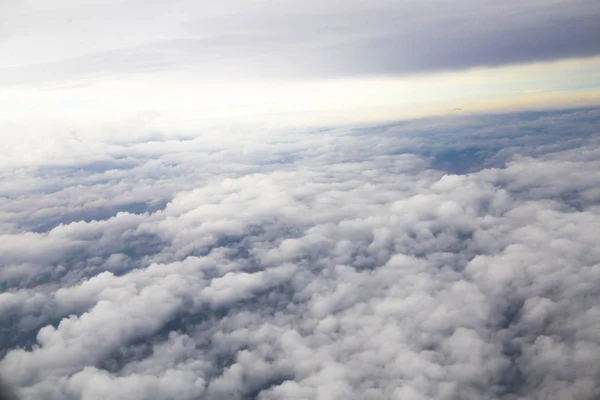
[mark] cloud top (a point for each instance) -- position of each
(350, 263)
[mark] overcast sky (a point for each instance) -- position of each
(47, 41)
(288, 58)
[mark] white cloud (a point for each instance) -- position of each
(336, 264)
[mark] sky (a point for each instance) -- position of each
(299, 200)
(294, 62)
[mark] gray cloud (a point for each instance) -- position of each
(349, 263)
(244, 39)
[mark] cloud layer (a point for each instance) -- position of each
(446, 258)
(69, 41)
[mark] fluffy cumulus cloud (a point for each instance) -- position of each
(451, 258)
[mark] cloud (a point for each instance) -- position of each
(382, 38)
(347, 263)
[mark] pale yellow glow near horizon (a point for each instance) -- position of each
(182, 100)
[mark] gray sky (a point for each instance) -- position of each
(66, 40)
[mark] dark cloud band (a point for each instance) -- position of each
(245, 40)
